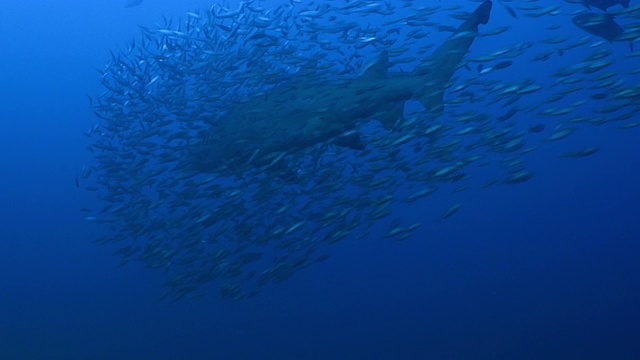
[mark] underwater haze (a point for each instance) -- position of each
(360, 179)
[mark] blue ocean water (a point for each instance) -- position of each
(545, 269)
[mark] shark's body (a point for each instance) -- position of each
(300, 112)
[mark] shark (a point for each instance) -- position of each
(300, 112)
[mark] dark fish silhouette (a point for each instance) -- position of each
(537, 128)
(603, 4)
(601, 25)
(510, 9)
(132, 3)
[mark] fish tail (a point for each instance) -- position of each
(444, 61)
(479, 16)
(482, 13)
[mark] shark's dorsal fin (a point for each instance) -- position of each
(378, 68)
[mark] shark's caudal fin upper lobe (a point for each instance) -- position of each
(479, 16)
(443, 62)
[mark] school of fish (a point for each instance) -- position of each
(234, 144)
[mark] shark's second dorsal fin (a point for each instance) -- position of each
(378, 68)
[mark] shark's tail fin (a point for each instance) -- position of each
(443, 62)
(479, 16)
(482, 12)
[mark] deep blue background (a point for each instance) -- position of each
(545, 269)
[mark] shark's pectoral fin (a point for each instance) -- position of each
(350, 139)
(390, 117)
